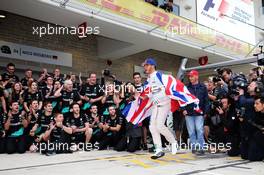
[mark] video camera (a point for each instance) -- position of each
(239, 82)
(215, 104)
(240, 112)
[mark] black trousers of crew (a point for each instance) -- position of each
(130, 144)
(235, 144)
(96, 136)
(16, 145)
(108, 139)
(2, 145)
(244, 146)
(62, 145)
(256, 147)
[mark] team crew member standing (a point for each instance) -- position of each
(68, 96)
(91, 93)
(161, 108)
(145, 124)
(14, 126)
(9, 78)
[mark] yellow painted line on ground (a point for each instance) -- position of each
(160, 161)
(145, 161)
(140, 163)
(173, 159)
(188, 156)
(234, 158)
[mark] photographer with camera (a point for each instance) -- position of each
(246, 112)
(227, 75)
(224, 126)
(256, 145)
(217, 89)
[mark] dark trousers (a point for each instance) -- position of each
(235, 145)
(108, 139)
(78, 138)
(2, 145)
(62, 145)
(130, 144)
(256, 147)
(16, 145)
(97, 136)
(244, 147)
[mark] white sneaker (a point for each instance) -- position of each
(158, 154)
(174, 148)
(74, 148)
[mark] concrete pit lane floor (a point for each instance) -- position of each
(122, 163)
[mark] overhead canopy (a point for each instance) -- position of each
(128, 27)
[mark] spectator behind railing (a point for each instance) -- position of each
(153, 2)
(167, 6)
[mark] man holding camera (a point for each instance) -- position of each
(224, 125)
(246, 103)
(256, 145)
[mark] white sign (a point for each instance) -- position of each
(140, 69)
(23, 52)
(230, 17)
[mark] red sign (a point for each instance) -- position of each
(203, 60)
(82, 30)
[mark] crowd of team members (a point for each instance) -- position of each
(57, 109)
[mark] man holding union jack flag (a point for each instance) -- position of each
(162, 94)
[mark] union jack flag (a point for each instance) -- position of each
(139, 109)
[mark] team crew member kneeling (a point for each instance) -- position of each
(81, 132)
(57, 137)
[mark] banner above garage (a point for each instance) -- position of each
(170, 26)
(232, 17)
(35, 54)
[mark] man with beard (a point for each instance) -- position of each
(91, 93)
(110, 129)
(81, 132)
(94, 120)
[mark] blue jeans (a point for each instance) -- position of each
(195, 126)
